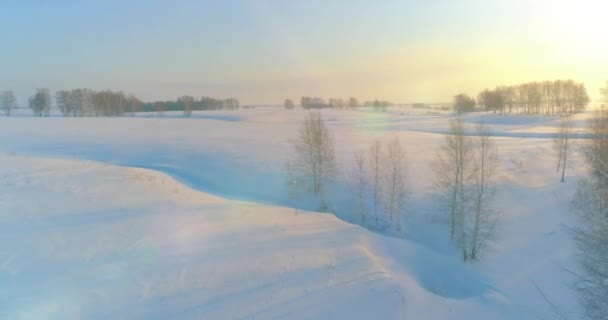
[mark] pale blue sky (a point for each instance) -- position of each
(266, 50)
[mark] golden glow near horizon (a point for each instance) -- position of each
(265, 51)
(562, 39)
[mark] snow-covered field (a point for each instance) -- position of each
(173, 218)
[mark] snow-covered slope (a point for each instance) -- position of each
(81, 239)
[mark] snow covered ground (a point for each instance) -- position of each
(166, 218)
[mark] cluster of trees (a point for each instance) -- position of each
(313, 103)
(464, 178)
(464, 103)
(187, 104)
(40, 103)
(75, 103)
(319, 103)
(379, 105)
(86, 102)
(548, 97)
(380, 184)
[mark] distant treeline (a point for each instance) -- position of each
(548, 97)
(319, 103)
(188, 104)
(89, 103)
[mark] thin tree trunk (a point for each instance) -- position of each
(559, 158)
(565, 158)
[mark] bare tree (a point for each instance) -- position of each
(591, 203)
(84, 102)
(561, 143)
(314, 161)
(375, 167)
(484, 217)
(361, 183)
(452, 173)
(40, 103)
(464, 176)
(558, 148)
(8, 101)
(62, 101)
(394, 182)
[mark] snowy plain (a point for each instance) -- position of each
(173, 218)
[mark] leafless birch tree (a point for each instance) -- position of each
(452, 173)
(375, 165)
(591, 203)
(484, 217)
(314, 162)
(394, 182)
(562, 144)
(361, 184)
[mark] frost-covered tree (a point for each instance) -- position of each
(313, 163)
(8, 102)
(483, 217)
(63, 102)
(375, 167)
(109, 103)
(591, 203)
(40, 103)
(379, 180)
(453, 171)
(394, 182)
(561, 144)
(464, 177)
(360, 182)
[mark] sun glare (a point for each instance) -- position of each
(576, 28)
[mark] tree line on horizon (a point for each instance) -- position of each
(107, 103)
(536, 98)
(308, 102)
(532, 98)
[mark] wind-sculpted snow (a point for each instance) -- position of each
(105, 242)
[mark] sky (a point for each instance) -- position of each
(263, 51)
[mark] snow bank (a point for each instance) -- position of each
(83, 240)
